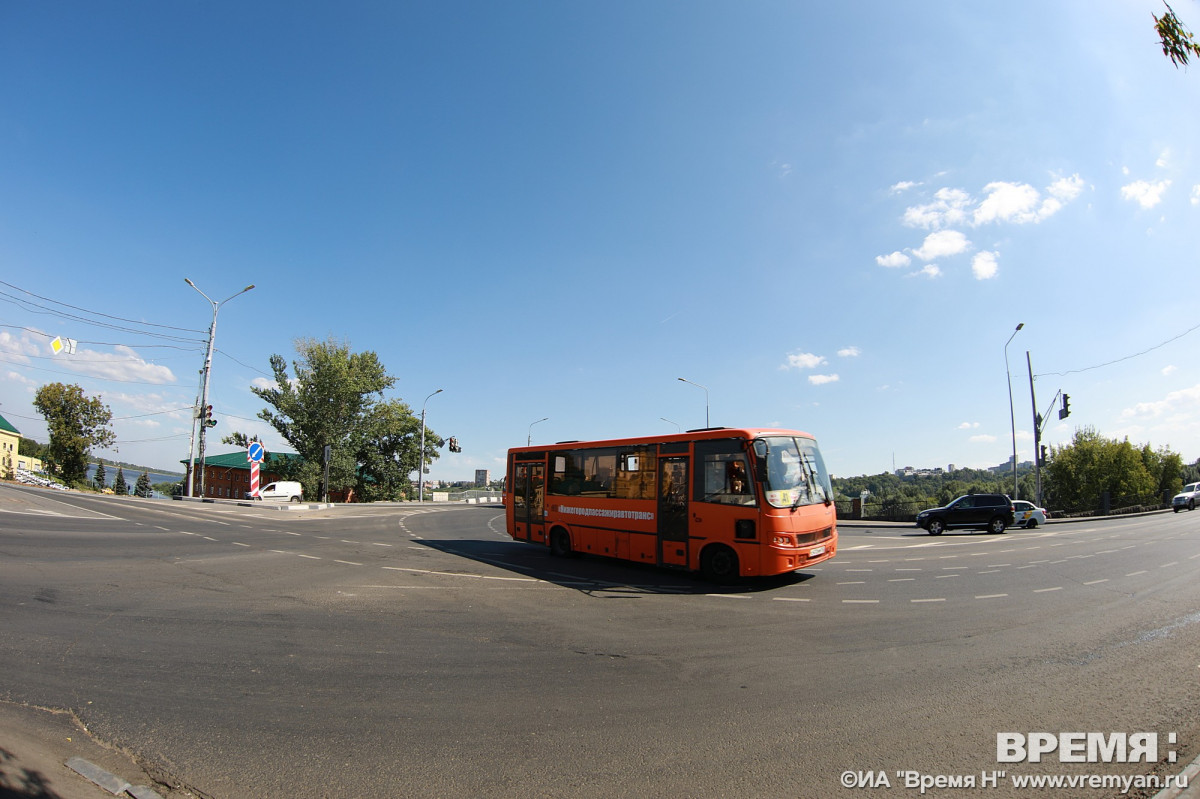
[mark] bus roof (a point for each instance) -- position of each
(690, 435)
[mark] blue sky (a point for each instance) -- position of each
(833, 217)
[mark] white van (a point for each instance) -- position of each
(287, 490)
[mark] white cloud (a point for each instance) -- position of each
(930, 271)
(1184, 400)
(983, 438)
(1007, 202)
(1066, 189)
(849, 352)
(124, 364)
(1196, 194)
(820, 380)
(968, 425)
(19, 348)
(941, 244)
(903, 186)
(984, 265)
(1145, 193)
(1020, 203)
(1168, 370)
(948, 208)
(1162, 159)
(264, 383)
(13, 377)
(896, 259)
(803, 360)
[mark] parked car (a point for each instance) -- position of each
(287, 490)
(991, 512)
(1187, 498)
(1028, 515)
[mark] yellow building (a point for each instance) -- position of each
(10, 457)
(10, 443)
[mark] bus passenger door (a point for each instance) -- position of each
(529, 497)
(673, 511)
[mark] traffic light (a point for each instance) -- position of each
(454, 447)
(1066, 407)
(1044, 455)
(208, 420)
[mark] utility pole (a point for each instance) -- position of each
(1037, 435)
(421, 452)
(204, 374)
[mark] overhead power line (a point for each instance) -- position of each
(39, 308)
(1124, 358)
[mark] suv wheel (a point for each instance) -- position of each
(997, 525)
(936, 526)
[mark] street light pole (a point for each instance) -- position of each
(212, 337)
(697, 385)
(421, 452)
(678, 429)
(529, 438)
(1011, 414)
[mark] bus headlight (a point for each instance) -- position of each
(783, 541)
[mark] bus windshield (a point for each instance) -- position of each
(795, 473)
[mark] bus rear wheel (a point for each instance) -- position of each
(560, 543)
(719, 564)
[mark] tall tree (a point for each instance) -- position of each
(335, 399)
(76, 424)
(120, 488)
(101, 477)
(143, 488)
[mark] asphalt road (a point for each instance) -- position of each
(387, 651)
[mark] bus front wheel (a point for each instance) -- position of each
(719, 564)
(560, 543)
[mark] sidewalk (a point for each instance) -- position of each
(35, 746)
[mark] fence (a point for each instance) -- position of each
(906, 511)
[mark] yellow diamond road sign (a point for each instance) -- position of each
(59, 344)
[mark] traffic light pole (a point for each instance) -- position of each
(1039, 423)
(203, 410)
(1037, 435)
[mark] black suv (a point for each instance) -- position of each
(991, 512)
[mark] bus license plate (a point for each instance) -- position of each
(815, 551)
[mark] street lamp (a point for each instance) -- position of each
(1011, 415)
(212, 336)
(421, 452)
(529, 438)
(697, 385)
(678, 429)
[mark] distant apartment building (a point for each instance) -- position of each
(483, 477)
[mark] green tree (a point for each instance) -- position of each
(335, 399)
(143, 488)
(101, 477)
(386, 449)
(31, 449)
(1177, 42)
(120, 488)
(76, 424)
(1165, 468)
(1080, 473)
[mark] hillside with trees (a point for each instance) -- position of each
(1092, 474)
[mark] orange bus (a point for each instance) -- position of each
(724, 502)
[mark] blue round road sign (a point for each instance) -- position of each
(255, 452)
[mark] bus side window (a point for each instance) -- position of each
(723, 475)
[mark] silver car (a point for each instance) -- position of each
(1186, 498)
